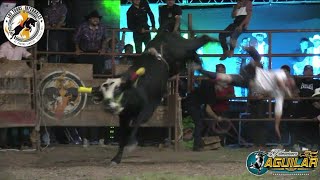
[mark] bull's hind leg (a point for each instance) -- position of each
(124, 133)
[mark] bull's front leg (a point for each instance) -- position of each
(143, 116)
(124, 133)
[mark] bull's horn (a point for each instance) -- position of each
(138, 73)
(85, 89)
(141, 71)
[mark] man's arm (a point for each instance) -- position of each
(151, 15)
(26, 54)
(46, 18)
(77, 37)
(211, 113)
(160, 16)
(177, 19)
(254, 54)
(63, 17)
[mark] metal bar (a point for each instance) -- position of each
(252, 98)
(273, 55)
(265, 119)
(202, 55)
(203, 78)
(212, 31)
(258, 31)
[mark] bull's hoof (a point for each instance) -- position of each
(131, 147)
(113, 163)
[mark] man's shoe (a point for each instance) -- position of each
(224, 56)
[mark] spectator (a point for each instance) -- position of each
(316, 104)
(300, 62)
(242, 13)
(196, 100)
(305, 109)
(222, 90)
(12, 52)
(54, 17)
(118, 48)
(91, 37)
(138, 23)
(243, 60)
(306, 88)
(169, 17)
(128, 49)
(263, 48)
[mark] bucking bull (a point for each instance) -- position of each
(135, 95)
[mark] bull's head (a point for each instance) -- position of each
(112, 92)
(114, 88)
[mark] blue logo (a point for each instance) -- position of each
(255, 163)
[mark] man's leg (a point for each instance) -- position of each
(138, 42)
(223, 40)
(254, 54)
(195, 113)
(233, 41)
(146, 39)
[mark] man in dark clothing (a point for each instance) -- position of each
(55, 16)
(196, 103)
(306, 88)
(169, 17)
(242, 13)
(138, 23)
(91, 36)
(306, 132)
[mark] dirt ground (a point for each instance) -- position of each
(75, 162)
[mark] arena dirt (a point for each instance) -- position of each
(75, 162)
